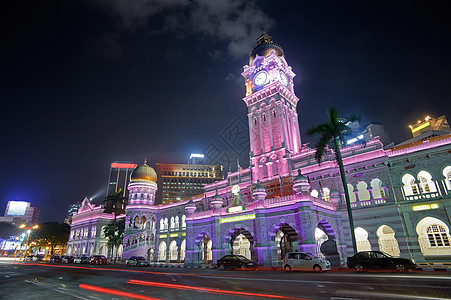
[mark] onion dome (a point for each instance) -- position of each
(144, 172)
(217, 201)
(259, 192)
(264, 46)
(300, 184)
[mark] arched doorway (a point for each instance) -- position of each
(173, 251)
(326, 243)
(206, 253)
(387, 241)
(242, 243)
(285, 237)
(162, 251)
(182, 251)
(361, 238)
(150, 254)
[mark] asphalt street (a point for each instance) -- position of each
(60, 281)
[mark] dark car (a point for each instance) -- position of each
(67, 259)
(235, 262)
(55, 259)
(137, 261)
(82, 260)
(99, 260)
(372, 260)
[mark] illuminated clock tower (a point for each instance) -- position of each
(271, 102)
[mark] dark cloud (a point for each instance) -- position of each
(234, 22)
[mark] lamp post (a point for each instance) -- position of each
(27, 246)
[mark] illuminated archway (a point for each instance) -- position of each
(361, 237)
(284, 239)
(162, 251)
(433, 237)
(387, 241)
(182, 250)
(173, 251)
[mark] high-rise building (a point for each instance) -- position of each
(180, 181)
(20, 211)
(427, 128)
(73, 208)
(119, 177)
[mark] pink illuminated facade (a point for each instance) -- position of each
(285, 201)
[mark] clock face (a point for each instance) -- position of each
(261, 78)
(283, 78)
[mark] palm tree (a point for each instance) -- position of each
(332, 132)
(114, 200)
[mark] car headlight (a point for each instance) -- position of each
(414, 262)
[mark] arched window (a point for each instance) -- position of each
(264, 117)
(182, 250)
(255, 121)
(173, 251)
(274, 113)
(326, 194)
(433, 237)
(161, 225)
(165, 223)
(426, 183)
(361, 238)
(314, 193)
(162, 251)
(410, 187)
(447, 175)
(172, 223)
(363, 193)
(377, 190)
(143, 222)
(352, 197)
(176, 223)
(387, 241)
(183, 222)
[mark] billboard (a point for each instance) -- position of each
(16, 208)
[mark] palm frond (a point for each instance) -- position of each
(320, 146)
(323, 128)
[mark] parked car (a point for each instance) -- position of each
(67, 259)
(235, 262)
(304, 262)
(55, 259)
(137, 261)
(370, 260)
(82, 260)
(99, 260)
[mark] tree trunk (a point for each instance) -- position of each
(345, 186)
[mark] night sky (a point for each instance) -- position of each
(85, 83)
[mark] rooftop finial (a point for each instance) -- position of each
(145, 160)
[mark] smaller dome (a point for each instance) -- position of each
(264, 46)
(144, 172)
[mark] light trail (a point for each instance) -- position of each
(114, 292)
(215, 291)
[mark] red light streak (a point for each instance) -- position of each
(193, 288)
(114, 292)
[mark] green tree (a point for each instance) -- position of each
(332, 132)
(51, 234)
(114, 204)
(109, 230)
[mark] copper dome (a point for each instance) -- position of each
(144, 172)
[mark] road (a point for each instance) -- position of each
(22, 281)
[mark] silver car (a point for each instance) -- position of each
(138, 261)
(304, 262)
